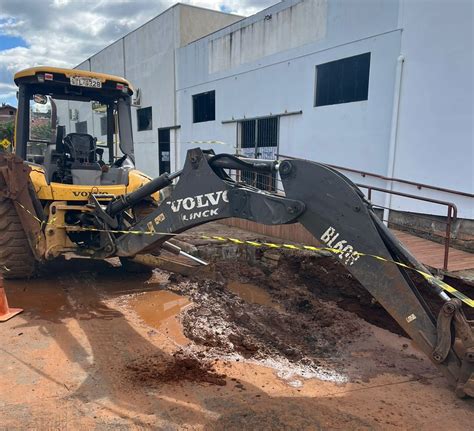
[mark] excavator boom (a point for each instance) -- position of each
(335, 211)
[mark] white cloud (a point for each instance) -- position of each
(65, 32)
(238, 7)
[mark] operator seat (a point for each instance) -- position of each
(81, 147)
(84, 167)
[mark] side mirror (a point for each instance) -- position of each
(41, 99)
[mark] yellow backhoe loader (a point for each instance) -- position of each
(71, 187)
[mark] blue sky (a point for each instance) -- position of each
(64, 33)
(7, 42)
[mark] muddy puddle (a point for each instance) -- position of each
(160, 310)
(252, 294)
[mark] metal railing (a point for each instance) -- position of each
(452, 213)
(272, 183)
(419, 186)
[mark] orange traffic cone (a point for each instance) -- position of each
(6, 312)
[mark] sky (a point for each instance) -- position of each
(63, 33)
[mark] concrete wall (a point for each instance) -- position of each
(195, 22)
(301, 23)
(146, 58)
(149, 57)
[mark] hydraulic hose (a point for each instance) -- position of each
(126, 201)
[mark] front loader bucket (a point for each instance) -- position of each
(22, 241)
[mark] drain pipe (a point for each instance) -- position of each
(392, 150)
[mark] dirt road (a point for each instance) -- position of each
(97, 348)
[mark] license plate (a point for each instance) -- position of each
(82, 81)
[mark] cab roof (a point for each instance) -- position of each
(103, 77)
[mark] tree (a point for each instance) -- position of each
(41, 131)
(7, 131)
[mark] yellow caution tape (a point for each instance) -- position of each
(429, 277)
(426, 275)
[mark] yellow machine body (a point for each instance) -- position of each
(50, 99)
(72, 192)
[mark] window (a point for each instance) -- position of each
(81, 127)
(103, 126)
(144, 119)
(204, 107)
(343, 81)
(11, 112)
(259, 140)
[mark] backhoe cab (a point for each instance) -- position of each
(44, 213)
(76, 125)
(73, 138)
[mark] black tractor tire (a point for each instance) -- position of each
(16, 257)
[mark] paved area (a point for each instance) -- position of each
(432, 253)
(65, 361)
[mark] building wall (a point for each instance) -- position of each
(265, 65)
(256, 72)
(435, 139)
(269, 81)
(145, 57)
(196, 22)
(7, 113)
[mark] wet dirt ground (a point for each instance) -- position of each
(237, 346)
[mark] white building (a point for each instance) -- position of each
(146, 57)
(384, 86)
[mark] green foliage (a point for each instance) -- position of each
(41, 131)
(7, 130)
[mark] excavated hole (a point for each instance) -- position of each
(322, 277)
(293, 312)
(296, 278)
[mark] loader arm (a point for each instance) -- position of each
(335, 211)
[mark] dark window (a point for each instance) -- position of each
(81, 127)
(204, 107)
(343, 81)
(144, 119)
(11, 112)
(103, 126)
